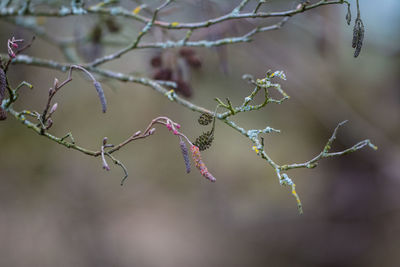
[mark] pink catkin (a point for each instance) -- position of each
(200, 164)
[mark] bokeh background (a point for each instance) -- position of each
(58, 207)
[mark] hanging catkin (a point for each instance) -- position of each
(185, 155)
(3, 86)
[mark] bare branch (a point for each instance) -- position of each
(151, 20)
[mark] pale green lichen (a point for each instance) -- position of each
(64, 11)
(171, 94)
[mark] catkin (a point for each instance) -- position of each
(3, 86)
(100, 92)
(359, 37)
(205, 119)
(355, 33)
(185, 155)
(200, 164)
(205, 140)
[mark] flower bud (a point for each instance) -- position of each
(53, 108)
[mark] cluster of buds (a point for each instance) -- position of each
(13, 44)
(176, 67)
(173, 127)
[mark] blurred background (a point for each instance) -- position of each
(58, 207)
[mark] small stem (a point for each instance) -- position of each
(358, 10)
(58, 140)
(259, 4)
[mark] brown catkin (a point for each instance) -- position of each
(356, 30)
(100, 92)
(185, 155)
(205, 140)
(360, 38)
(205, 119)
(3, 86)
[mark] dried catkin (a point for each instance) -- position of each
(3, 86)
(185, 155)
(205, 119)
(355, 33)
(359, 38)
(205, 140)
(100, 92)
